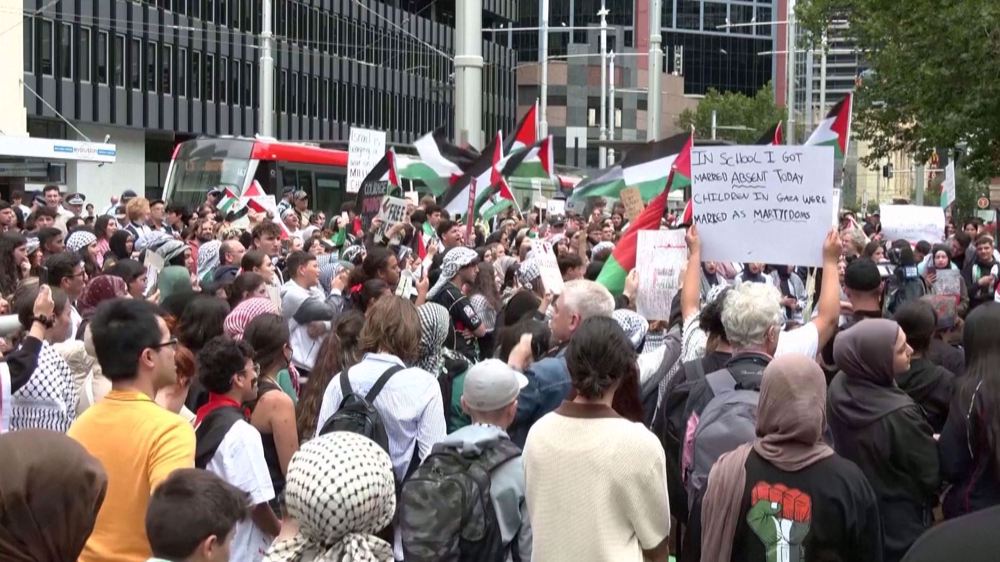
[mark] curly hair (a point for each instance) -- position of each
(599, 356)
(10, 273)
(220, 359)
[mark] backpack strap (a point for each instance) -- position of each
(212, 431)
(721, 381)
(345, 385)
(384, 378)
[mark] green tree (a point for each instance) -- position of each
(934, 75)
(757, 113)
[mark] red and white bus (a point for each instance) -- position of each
(201, 164)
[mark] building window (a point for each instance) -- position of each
(248, 16)
(324, 88)
(234, 15)
(118, 61)
(182, 70)
(303, 18)
(247, 85)
(293, 93)
(763, 15)
(209, 77)
(101, 56)
(195, 74)
(222, 12)
(45, 47)
(209, 10)
(314, 97)
(282, 96)
(135, 64)
(29, 38)
(196, 9)
(234, 83)
(83, 48)
(66, 50)
(304, 95)
(167, 60)
(152, 69)
(223, 75)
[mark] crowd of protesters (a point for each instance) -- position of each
(193, 384)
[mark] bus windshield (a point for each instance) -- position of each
(202, 164)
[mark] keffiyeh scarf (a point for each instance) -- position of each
(208, 257)
(237, 321)
(528, 272)
(434, 323)
(454, 260)
(634, 326)
(79, 240)
(341, 490)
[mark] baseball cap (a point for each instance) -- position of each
(491, 385)
(862, 275)
(127, 194)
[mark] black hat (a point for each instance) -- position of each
(557, 221)
(127, 195)
(862, 275)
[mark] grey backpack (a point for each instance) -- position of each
(728, 421)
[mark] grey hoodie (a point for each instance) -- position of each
(506, 486)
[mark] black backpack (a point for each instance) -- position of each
(357, 413)
(211, 431)
(446, 511)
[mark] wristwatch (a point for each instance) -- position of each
(44, 320)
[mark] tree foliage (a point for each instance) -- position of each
(936, 75)
(758, 113)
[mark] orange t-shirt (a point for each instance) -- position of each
(140, 444)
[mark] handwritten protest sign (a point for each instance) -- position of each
(631, 197)
(548, 267)
(948, 282)
(769, 204)
(371, 195)
(556, 207)
(661, 257)
(366, 148)
(392, 210)
(912, 223)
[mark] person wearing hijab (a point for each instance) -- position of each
(753, 273)
(882, 430)
(793, 293)
(341, 492)
(50, 493)
(121, 244)
(711, 277)
(434, 322)
(459, 268)
(787, 488)
(174, 285)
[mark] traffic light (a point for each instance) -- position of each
(887, 171)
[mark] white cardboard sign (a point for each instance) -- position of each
(365, 150)
(769, 204)
(660, 258)
(912, 223)
(548, 267)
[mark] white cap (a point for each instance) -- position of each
(491, 385)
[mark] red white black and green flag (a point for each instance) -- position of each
(644, 167)
(835, 129)
(623, 257)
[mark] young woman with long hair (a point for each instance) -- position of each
(104, 228)
(13, 255)
(485, 300)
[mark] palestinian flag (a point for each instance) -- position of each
(534, 161)
(424, 178)
(771, 137)
(439, 163)
(622, 259)
(456, 199)
(526, 132)
(645, 167)
(835, 129)
(380, 181)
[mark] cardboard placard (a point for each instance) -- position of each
(912, 223)
(153, 261)
(556, 207)
(769, 204)
(392, 210)
(661, 256)
(548, 267)
(947, 282)
(365, 149)
(631, 197)
(836, 207)
(371, 195)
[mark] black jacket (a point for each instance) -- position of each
(886, 434)
(972, 538)
(948, 356)
(930, 387)
(978, 294)
(973, 474)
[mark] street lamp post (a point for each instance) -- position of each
(611, 105)
(543, 60)
(603, 151)
(469, 72)
(265, 118)
(655, 63)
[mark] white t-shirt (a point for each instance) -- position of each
(803, 340)
(239, 460)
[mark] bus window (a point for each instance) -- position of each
(306, 184)
(288, 179)
(329, 192)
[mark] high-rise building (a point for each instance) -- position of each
(155, 72)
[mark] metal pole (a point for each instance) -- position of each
(611, 105)
(543, 59)
(469, 72)
(807, 107)
(822, 78)
(919, 181)
(265, 113)
(655, 64)
(714, 122)
(790, 71)
(603, 151)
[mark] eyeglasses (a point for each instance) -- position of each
(256, 371)
(172, 343)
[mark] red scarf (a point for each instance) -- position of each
(216, 401)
